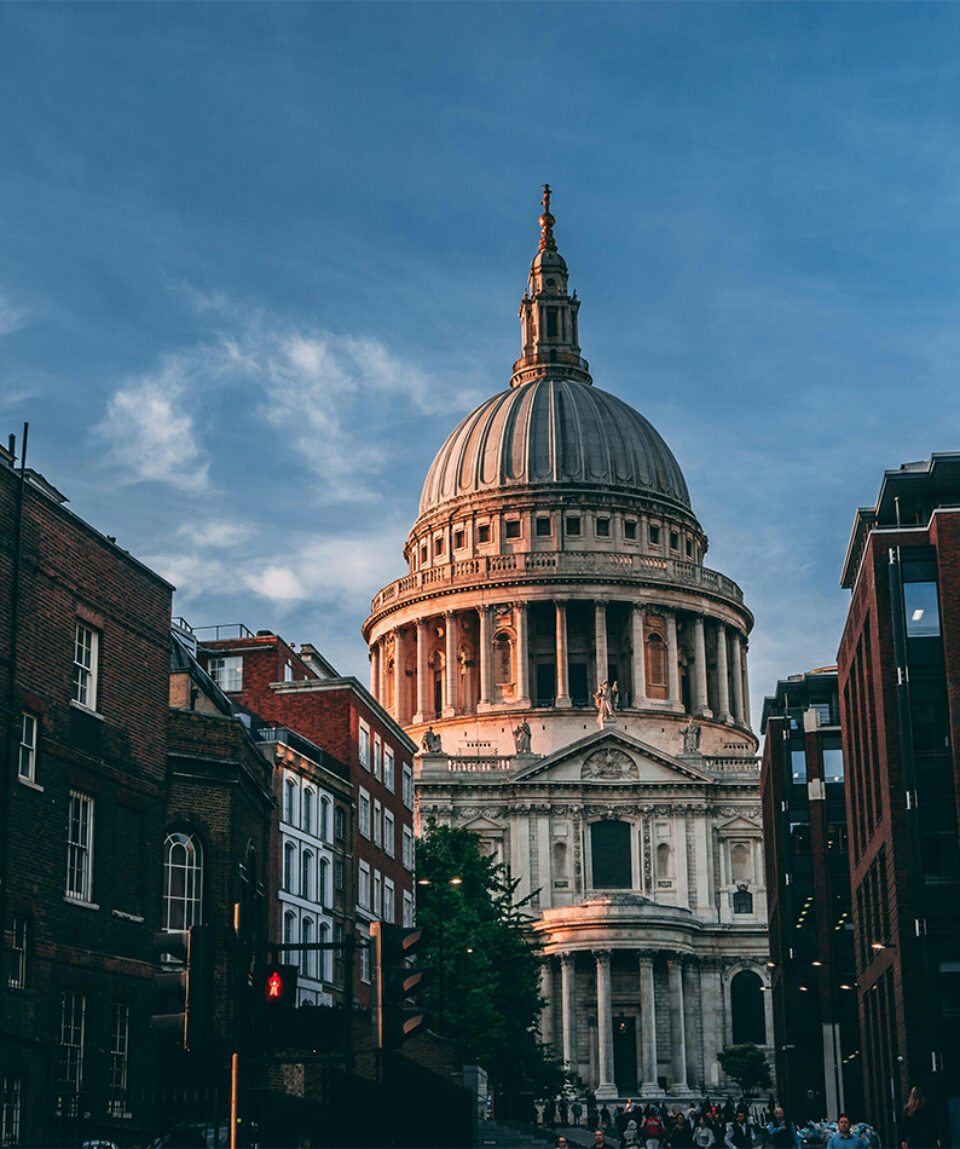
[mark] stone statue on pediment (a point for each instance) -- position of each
(522, 736)
(605, 702)
(431, 743)
(691, 737)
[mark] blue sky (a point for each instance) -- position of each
(257, 259)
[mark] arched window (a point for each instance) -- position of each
(182, 881)
(746, 1004)
(743, 901)
(665, 868)
(610, 855)
(503, 658)
(306, 874)
(324, 971)
(323, 896)
(289, 864)
(324, 827)
(308, 811)
(656, 661)
(290, 801)
(740, 863)
(289, 927)
(559, 859)
(307, 956)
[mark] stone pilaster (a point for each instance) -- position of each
(673, 660)
(639, 655)
(563, 672)
(606, 1087)
(568, 1005)
(700, 706)
(450, 664)
(523, 655)
(723, 675)
(600, 625)
(736, 674)
(650, 1086)
(423, 669)
(485, 657)
(678, 1044)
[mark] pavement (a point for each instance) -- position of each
(516, 1135)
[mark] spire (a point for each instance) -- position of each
(548, 315)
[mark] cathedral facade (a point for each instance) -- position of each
(577, 679)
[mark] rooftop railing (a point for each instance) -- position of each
(538, 565)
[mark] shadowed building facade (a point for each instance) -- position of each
(578, 680)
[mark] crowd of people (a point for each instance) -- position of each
(725, 1126)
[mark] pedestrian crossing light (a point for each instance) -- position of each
(397, 1012)
(279, 984)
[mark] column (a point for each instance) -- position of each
(648, 1020)
(546, 992)
(678, 1046)
(400, 677)
(568, 1004)
(422, 670)
(450, 664)
(374, 669)
(484, 657)
(700, 703)
(639, 656)
(673, 659)
(723, 679)
(523, 655)
(711, 1012)
(746, 683)
(600, 625)
(736, 673)
(691, 1007)
(563, 673)
(606, 1087)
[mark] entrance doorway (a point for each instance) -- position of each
(625, 1054)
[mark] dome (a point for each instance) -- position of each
(553, 432)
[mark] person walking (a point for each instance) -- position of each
(845, 1138)
(681, 1135)
(919, 1130)
(740, 1132)
(577, 1110)
(781, 1133)
(703, 1136)
(652, 1130)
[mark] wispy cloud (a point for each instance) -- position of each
(13, 316)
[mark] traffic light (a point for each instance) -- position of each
(276, 989)
(185, 992)
(397, 1015)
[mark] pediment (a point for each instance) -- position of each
(733, 825)
(484, 825)
(612, 757)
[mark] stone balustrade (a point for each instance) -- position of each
(537, 565)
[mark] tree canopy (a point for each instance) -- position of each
(748, 1066)
(486, 992)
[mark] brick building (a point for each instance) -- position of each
(813, 977)
(84, 661)
(302, 692)
(899, 681)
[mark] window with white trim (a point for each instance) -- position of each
(227, 672)
(323, 830)
(407, 908)
(290, 801)
(377, 907)
(307, 956)
(389, 837)
(323, 956)
(408, 853)
(377, 823)
(377, 756)
(307, 824)
(306, 874)
(363, 885)
(86, 659)
(79, 884)
(363, 745)
(289, 866)
(11, 1110)
(389, 900)
(407, 786)
(17, 958)
(119, 1060)
(29, 729)
(339, 822)
(182, 881)
(289, 928)
(388, 768)
(73, 1009)
(339, 875)
(364, 961)
(363, 813)
(323, 886)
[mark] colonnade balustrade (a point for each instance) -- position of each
(492, 657)
(690, 989)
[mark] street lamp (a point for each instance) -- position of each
(440, 886)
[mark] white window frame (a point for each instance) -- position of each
(306, 823)
(290, 862)
(80, 821)
(182, 908)
(389, 834)
(323, 830)
(323, 881)
(388, 769)
(363, 813)
(408, 848)
(407, 908)
(363, 885)
(407, 793)
(364, 962)
(307, 873)
(86, 665)
(226, 670)
(290, 801)
(363, 745)
(389, 900)
(17, 967)
(377, 823)
(119, 1060)
(377, 907)
(73, 1018)
(29, 732)
(11, 1109)
(377, 756)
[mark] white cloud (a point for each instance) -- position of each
(215, 533)
(278, 583)
(149, 433)
(12, 316)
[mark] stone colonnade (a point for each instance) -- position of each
(694, 991)
(474, 660)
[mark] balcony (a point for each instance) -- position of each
(538, 566)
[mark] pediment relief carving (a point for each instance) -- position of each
(610, 763)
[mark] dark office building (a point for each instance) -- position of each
(813, 978)
(899, 678)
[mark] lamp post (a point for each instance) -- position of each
(440, 887)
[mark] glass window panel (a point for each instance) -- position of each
(922, 610)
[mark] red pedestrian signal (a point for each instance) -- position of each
(274, 985)
(278, 986)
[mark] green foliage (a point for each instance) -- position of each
(487, 987)
(748, 1066)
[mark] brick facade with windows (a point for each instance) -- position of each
(83, 813)
(899, 680)
(339, 715)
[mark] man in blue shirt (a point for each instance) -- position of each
(845, 1138)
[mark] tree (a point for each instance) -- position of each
(486, 991)
(748, 1066)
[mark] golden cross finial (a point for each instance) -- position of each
(546, 197)
(547, 242)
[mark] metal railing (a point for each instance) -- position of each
(571, 564)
